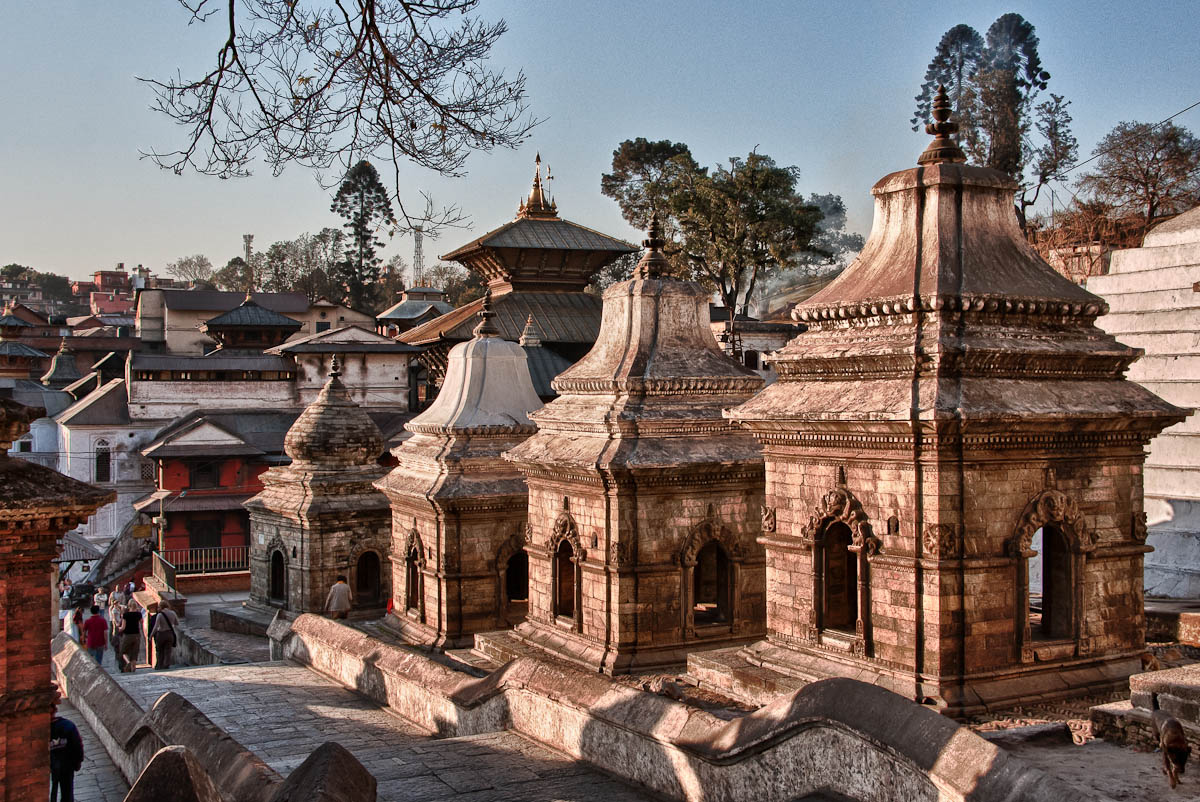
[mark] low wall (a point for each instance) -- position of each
(190, 584)
(133, 737)
(837, 735)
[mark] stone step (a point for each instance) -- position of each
(1165, 367)
(1172, 481)
(728, 672)
(1185, 320)
(1164, 276)
(474, 658)
(1175, 449)
(1150, 301)
(1172, 342)
(1133, 260)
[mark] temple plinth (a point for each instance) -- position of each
(644, 502)
(954, 462)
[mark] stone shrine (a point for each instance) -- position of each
(458, 509)
(644, 503)
(321, 516)
(951, 423)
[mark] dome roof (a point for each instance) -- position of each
(487, 385)
(334, 431)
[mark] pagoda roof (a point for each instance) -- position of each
(563, 317)
(10, 348)
(412, 309)
(539, 249)
(250, 315)
(13, 320)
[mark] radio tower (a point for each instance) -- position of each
(418, 259)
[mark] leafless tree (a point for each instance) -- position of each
(191, 268)
(325, 83)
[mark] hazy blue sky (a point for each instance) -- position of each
(827, 87)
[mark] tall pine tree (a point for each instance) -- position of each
(364, 203)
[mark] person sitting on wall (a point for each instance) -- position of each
(337, 603)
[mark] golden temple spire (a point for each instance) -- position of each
(538, 205)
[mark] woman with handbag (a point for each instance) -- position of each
(163, 633)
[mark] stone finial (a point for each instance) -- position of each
(531, 337)
(653, 262)
(943, 149)
(486, 327)
(335, 366)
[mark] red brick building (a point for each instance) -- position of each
(37, 506)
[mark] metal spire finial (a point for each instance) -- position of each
(653, 261)
(486, 327)
(943, 149)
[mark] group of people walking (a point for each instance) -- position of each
(122, 628)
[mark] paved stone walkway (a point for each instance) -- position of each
(98, 780)
(282, 712)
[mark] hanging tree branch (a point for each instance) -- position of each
(326, 83)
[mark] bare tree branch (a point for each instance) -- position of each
(324, 84)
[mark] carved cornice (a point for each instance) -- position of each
(768, 433)
(677, 385)
(841, 506)
(995, 309)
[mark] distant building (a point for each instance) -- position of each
(417, 305)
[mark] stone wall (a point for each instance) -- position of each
(833, 737)
(133, 738)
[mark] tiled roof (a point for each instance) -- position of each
(217, 360)
(108, 405)
(13, 320)
(76, 548)
(544, 364)
(564, 317)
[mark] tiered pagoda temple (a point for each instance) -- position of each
(953, 463)
(458, 509)
(539, 265)
(644, 503)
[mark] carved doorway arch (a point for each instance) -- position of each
(566, 575)
(414, 576)
(1058, 517)
(512, 579)
(839, 534)
(710, 556)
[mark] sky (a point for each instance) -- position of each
(827, 87)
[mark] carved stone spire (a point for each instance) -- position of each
(531, 337)
(486, 327)
(943, 148)
(653, 263)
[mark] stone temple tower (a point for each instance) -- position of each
(644, 503)
(458, 509)
(954, 461)
(321, 516)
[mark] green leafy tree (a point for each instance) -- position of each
(645, 178)
(363, 202)
(993, 83)
(235, 276)
(743, 223)
(461, 286)
(1146, 170)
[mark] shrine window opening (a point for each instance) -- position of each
(367, 579)
(711, 598)
(277, 590)
(516, 577)
(1051, 586)
(840, 573)
(412, 583)
(564, 581)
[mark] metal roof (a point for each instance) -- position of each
(544, 365)
(287, 303)
(10, 348)
(107, 405)
(76, 548)
(214, 361)
(563, 317)
(555, 234)
(192, 503)
(410, 310)
(13, 320)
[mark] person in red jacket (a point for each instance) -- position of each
(95, 635)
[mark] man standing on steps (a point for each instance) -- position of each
(337, 603)
(163, 634)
